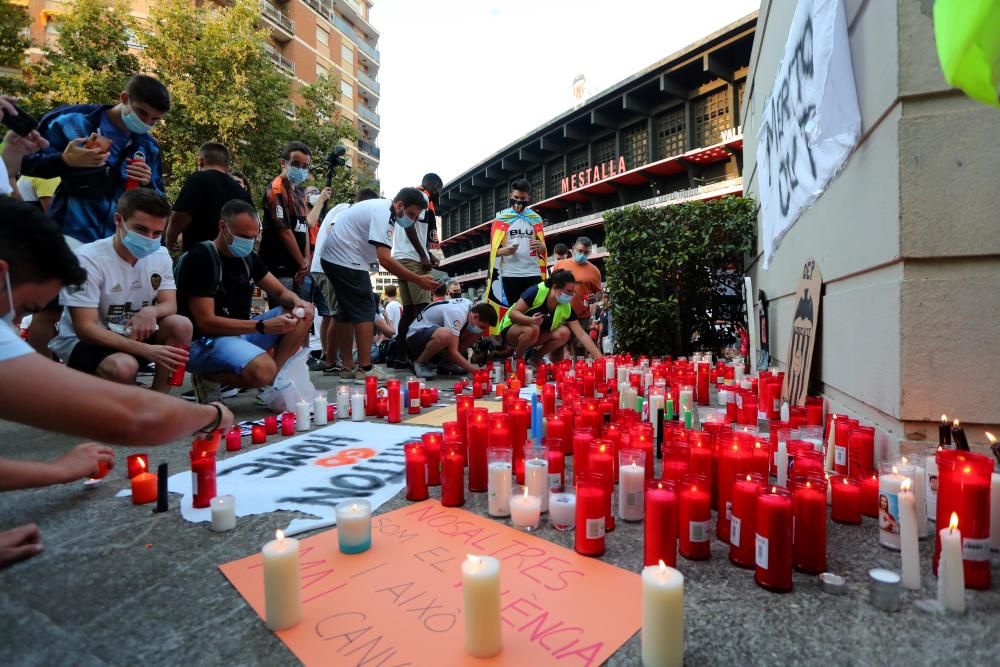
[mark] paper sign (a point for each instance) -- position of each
(804, 326)
(400, 603)
(449, 414)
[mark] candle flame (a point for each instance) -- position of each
(526, 492)
(659, 485)
(894, 470)
(953, 524)
(774, 489)
(354, 507)
(808, 483)
(845, 480)
(279, 535)
(905, 486)
(944, 419)
(663, 567)
(142, 465)
(749, 479)
(903, 460)
(991, 438)
(956, 424)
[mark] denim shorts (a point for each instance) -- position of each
(231, 354)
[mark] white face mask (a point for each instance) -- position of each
(9, 315)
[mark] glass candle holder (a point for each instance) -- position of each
(499, 480)
(416, 471)
(562, 507)
(357, 404)
(258, 434)
(773, 546)
(591, 506)
(343, 401)
(137, 464)
(660, 526)
(695, 512)
(287, 423)
(453, 474)
(525, 509)
(354, 526)
(271, 424)
(536, 473)
(632, 484)
(890, 478)
(742, 525)
(809, 522)
(432, 445)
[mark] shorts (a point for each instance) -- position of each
(231, 354)
(418, 340)
(411, 294)
(514, 287)
(353, 290)
(86, 357)
(322, 295)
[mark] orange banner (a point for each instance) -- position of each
(400, 603)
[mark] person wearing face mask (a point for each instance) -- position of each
(315, 200)
(215, 284)
(588, 279)
(358, 243)
(196, 211)
(445, 331)
(284, 246)
(126, 311)
(543, 318)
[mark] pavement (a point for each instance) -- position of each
(118, 585)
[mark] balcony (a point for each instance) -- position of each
(370, 149)
(369, 83)
(368, 116)
(353, 9)
(286, 66)
(282, 28)
(349, 30)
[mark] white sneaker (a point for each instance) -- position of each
(423, 371)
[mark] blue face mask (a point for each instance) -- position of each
(139, 246)
(133, 122)
(239, 246)
(580, 258)
(297, 175)
(563, 298)
(473, 329)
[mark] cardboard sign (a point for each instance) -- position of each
(805, 322)
(400, 603)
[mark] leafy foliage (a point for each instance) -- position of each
(677, 270)
(13, 20)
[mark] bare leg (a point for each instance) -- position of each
(260, 372)
(437, 343)
(553, 342)
(42, 330)
(363, 333)
(522, 337)
(118, 367)
(324, 336)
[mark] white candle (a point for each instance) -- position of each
(302, 416)
(481, 606)
(223, 513)
(319, 408)
(562, 509)
(662, 616)
(499, 488)
(622, 375)
(951, 576)
(724, 396)
(358, 407)
(609, 368)
(909, 547)
(738, 374)
(536, 480)
(919, 488)
(628, 398)
(656, 403)
(781, 462)
(888, 489)
(354, 526)
(525, 510)
(687, 400)
(831, 444)
(930, 490)
(631, 491)
(786, 413)
(343, 402)
(282, 601)
(529, 375)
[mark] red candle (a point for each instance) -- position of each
(675, 471)
(143, 487)
(202, 478)
(287, 423)
(457, 388)
(425, 398)
(477, 386)
(258, 434)
(557, 461)
(742, 529)
(814, 411)
(661, 524)
(371, 396)
(964, 488)
(137, 464)
(413, 397)
(549, 400)
(416, 471)
(590, 419)
(869, 495)
(701, 459)
(476, 440)
(695, 513)
(271, 424)
(555, 428)
(734, 460)
(748, 411)
(234, 439)
(453, 475)
(432, 446)
(434, 394)
(809, 526)
(581, 449)
(861, 451)
(702, 383)
(761, 458)
(773, 548)
(600, 461)
(383, 408)
(642, 438)
(395, 398)
(591, 505)
(463, 405)
(845, 499)
(841, 433)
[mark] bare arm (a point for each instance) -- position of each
(179, 221)
(89, 330)
(210, 324)
(411, 234)
(383, 326)
(583, 338)
(456, 356)
(81, 461)
(166, 303)
(288, 299)
(93, 408)
(395, 268)
(518, 316)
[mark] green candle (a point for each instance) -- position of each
(638, 404)
(688, 418)
(670, 409)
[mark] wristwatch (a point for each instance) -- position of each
(259, 326)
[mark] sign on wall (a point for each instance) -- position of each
(805, 323)
(810, 122)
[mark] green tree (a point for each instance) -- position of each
(13, 20)
(90, 61)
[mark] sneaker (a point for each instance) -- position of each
(423, 371)
(450, 368)
(147, 368)
(400, 365)
(335, 369)
(347, 375)
(376, 372)
(206, 391)
(315, 364)
(225, 391)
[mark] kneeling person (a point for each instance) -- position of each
(216, 280)
(447, 328)
(126, 311)
(544, 319)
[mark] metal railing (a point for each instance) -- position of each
(275, 16)
(282, 62)
(369, 83)
(346, 28)
(369, 115)
(369, 148)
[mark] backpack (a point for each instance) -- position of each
(216, 265)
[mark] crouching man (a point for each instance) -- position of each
(444, 331)
(215, 283)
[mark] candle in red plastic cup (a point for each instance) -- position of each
(869, 495)
(395, 396)
(371, 396)
(742, 528)
(809, 526)
(176, 378)
(845, 495)
(413, 397)
(557, 461)
(773, 546)
(734, 460)
(287, 423)
(581, 450)
(591, 505)
(600, 461)
(695, 513)
(660, 527)
(549, 400)
(202, 478)
(271, 424)
(416, 471)
(453, 474)
(761, 457)
(136, 464)
(143, 487)
(234, 439)
(476, 440)
(258, 434)
(432, 447)
(425, 398)
(964, 488)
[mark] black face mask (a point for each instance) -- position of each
(518, 205)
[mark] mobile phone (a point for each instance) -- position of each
(22, 123)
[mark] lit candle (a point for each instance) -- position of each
(223, 513)
(453, 475)
(742, 530)
(831, 444)
(889, 482)
(499, 480)
(908, 540)
(694, 508)
(302, 416)
(944, 432)
(662, 616)
(481, 606)
(918, 487)
(525, 510)
(631, 484)
(773, 553)
(287, 423)
(394, 410)
(591, 505)
(270, 425)
(432, 448)
(958, 435)
(413, 397)
(686, 399)
(951, 575)
(136, 464)
(809, 523)
(869, 495)
(371, 396)
(234, 439)
(846, 507)
(282, 600)
(660, 529)
(536, 475)
(344, 401)
(258, 434)
(354, 526)
(143, 486)
(416, 471)
(319, 408)
(358, 405)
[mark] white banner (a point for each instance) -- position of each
(310, 473)
(810, 122)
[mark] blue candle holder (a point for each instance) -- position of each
(354, 526)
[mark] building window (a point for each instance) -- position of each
(556, 173)
(537, 180)
(320, 70)
(476, 213)
(740, 89)
(637, 145)
(671, 133)
(502, 195)
(466, 215)
(346, 54)
(711, 116)
(604, 150)
(322, 36)
(346, 89)
(577, 160)
(490, 204)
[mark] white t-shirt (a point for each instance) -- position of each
(450, 313)
(5, 188)
(114, 287)
(359, 230)
(394, 313)
(523, 263)
(322, 232)
(11, 345)
(401, 246)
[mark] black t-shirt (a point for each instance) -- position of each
(529, 298)
(202, 197)
(196, 274)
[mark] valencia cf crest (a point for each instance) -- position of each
(154, 281)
